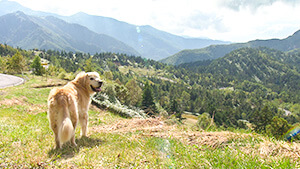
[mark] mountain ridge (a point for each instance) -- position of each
(52, 33)
(150, 42)
(290, 43)
(145, 40)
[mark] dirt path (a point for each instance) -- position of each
(9, 80)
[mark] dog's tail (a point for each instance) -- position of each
(66, 130)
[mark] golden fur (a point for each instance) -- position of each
(69, 104)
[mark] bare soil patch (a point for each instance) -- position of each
(49, 85)
(23, 101)
(14, 101)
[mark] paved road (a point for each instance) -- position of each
(9, 80)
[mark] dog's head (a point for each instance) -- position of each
(94, 81)
(90, 80)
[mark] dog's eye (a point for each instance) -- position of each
(91, 78)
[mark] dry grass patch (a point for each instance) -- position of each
(50, 83)
(250, 144)
(13, 102)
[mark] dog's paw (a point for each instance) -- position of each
(58, 147)
(74, 144)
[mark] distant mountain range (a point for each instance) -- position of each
(137, 40)
(216, 51)
(148, 41)
(19, 29)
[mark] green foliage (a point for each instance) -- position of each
(108, 75)
(148, 104)
(261, 119)
(37, 66)
(134, 93)
(278, 127)
(109, 89)
(16, 64)
(205, 122)
(3, 61)
(174, 109)
(121, 92)
(89, 66)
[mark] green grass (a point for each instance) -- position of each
(27, 141)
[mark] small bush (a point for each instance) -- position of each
(103, 101)
(278, 127)
(205, 122)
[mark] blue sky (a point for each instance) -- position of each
(229, 20)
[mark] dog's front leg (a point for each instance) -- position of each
(84, 123)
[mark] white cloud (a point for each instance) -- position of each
(230, 20)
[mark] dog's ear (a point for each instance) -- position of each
(80, 74)
(80, 78)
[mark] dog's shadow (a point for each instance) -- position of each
(68, 150)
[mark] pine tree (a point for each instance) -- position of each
(37, 66)
(174, 109)
(261, 119)
(148, 101)
(174, 106)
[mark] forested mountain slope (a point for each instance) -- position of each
(258, 65)
(272, 68)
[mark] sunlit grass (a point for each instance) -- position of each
(27, 141)
(137, 70)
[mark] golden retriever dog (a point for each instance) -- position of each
(69, 104)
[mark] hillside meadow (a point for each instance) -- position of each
(117, 142)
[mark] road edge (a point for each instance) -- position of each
(21, 81)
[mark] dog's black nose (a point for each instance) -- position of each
(100, 83)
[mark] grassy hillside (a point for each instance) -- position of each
(115, 142)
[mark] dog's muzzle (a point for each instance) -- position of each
(97, 89)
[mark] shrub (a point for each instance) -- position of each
(62, 75)
(243, 124)
(205, 122)
(278, 127)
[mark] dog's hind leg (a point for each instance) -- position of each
(57, 142)
(74, 118)
(54, 126)
(55, 131)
